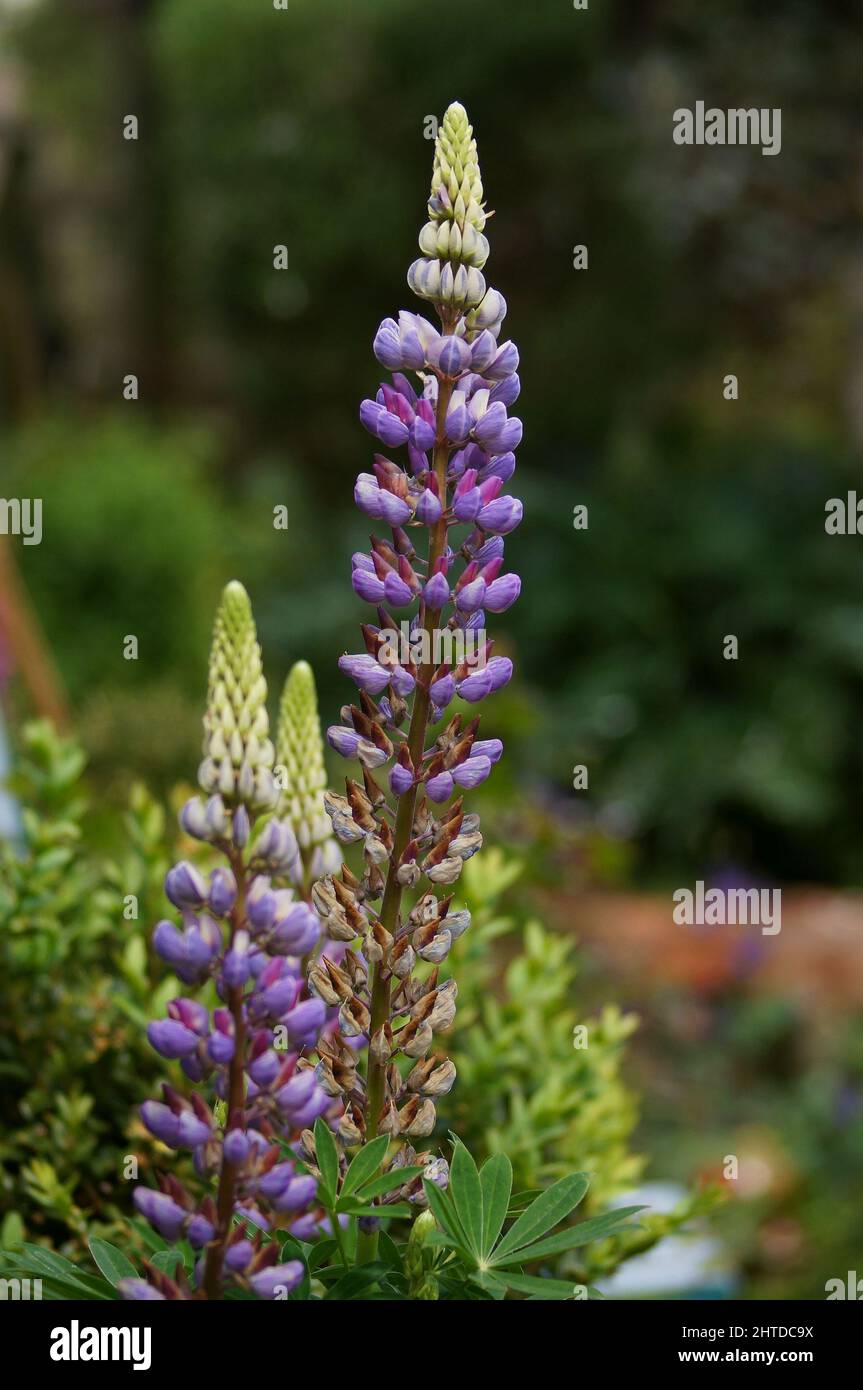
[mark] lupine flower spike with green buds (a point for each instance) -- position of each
(459, 442)
(302, 775)
(246, 931)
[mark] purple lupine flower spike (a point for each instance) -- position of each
(452, 443)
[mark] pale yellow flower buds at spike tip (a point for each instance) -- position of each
(300, 763)
(238, 754)
(456, 188)
(452, 243)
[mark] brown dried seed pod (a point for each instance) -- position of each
(453, 822)
(354, 1017)
(381, 1044)
(435, 1076)
(437, 949)
(423, 820)
(324, 897)
(402, 958)
(321, 985)
(351, 882)
(420, 1073)
(435, 855)
(306, 1149)
(394, 1084)
(374, 850)
(376, 943)
(372, 790)
(389, 1120)
(356, 968)
(339, 979)
(417, 1117)
(352, 1126)
(373, 882)
(415, 1038)
(360, 806)
(344, 894)
(414, 990)
(457, 923)
(425, 909)
(326, 1079)
(466, 845)
(443, 1011)
(369, 708)
(447, 871)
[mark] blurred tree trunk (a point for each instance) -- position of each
(21, 633)
(854, 286)
(20, 338)
(149, 222)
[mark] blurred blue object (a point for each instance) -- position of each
(681, 1266)
(10, 819)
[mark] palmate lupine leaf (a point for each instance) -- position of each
(472, 1212)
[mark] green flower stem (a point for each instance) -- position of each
(368, 1241)
(340, 1240)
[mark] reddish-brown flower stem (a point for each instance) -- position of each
(212, 1281)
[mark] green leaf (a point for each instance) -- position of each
(550, 1207)
(389, 1252)
(490, 1284)
(111, 1261)
(611, 1223)
(327, 1156)
(365, 1164)
(444, 1213)
(34, 1259)
(55, 1289)
(466, 1192)
(166, 1261)
(290, 1248)
(387, 1213)
(151, 1238)
(357, 1281)
(557, 1289)
(387, 1181)
(495, 1179)
(520, 1200)
(448, 1242)
(12, 1231)
(322, 1251)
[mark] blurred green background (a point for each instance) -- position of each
(306, 128)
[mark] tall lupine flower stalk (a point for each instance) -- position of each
(245, 930)
(458, 444)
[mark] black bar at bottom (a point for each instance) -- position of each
(86, 1338)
